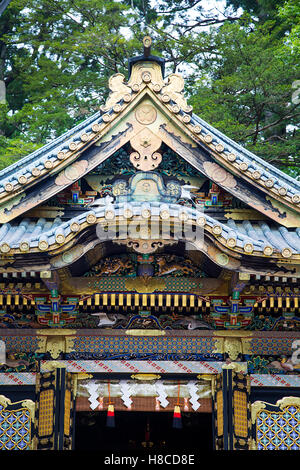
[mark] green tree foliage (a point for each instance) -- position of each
(240, 66)
(290, 12)
(247, 93)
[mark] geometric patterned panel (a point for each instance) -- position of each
(141, 344)
(278, 430)
(15, 429)
(219, 403)
(132, 366)
(46, 396)
(240, 413)
(55, 410)
(218, 411)
(272, 346)
(66, 434)
(231, 410)
(67, 414)
(46, 410)
(17, 344)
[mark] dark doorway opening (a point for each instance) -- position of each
(139, 430)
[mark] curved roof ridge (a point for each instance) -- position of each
(242, 235)
(237, 147)
(28, 159)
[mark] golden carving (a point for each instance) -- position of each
(56, 341)
(219, 174)
(244, 276)
(174, 90)
(28, 404)
(252, 444)
(146, 114)
(233, 347)
(287, 401)
(45, 274)
(145, 377)
(145, 332)
(146, 73)
(71, 173)
(53, 365)
(232, 342)
(4, 401)
(165, 267)
(256, 407)
(145, 143)
(232, 333)
(236, 366)
(56, 332)
(56, 346)
(83, 376)
(118, 90)
(145, 284)
(145, 246)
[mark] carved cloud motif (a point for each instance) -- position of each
(219, 174)
(71, 173)
(174, 89)
(118, 90)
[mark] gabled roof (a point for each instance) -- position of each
(267, 175)
(275, 191)
(37, 164)
(146, 112)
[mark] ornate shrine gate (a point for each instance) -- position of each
(59, 394)
(145, 244)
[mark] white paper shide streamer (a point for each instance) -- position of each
(193, 389)
(162, 395)
(2, 352)
(126, 392)
(92, 388)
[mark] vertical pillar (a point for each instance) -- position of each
(231, 405)
(55, 410)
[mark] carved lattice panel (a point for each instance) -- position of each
(68, 412)
(218, 404)
(241, 418)
(46, 389)
(276, 427)
(16, 424)
(232, 411)
(55, 411)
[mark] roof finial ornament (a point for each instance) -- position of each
(147, 41)
(146, 57)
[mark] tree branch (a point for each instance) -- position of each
(273, 123)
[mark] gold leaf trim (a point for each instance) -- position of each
(145, 332)
(145, 377)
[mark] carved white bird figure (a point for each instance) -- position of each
(186, 192)
(102, 201)
(105, 320)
